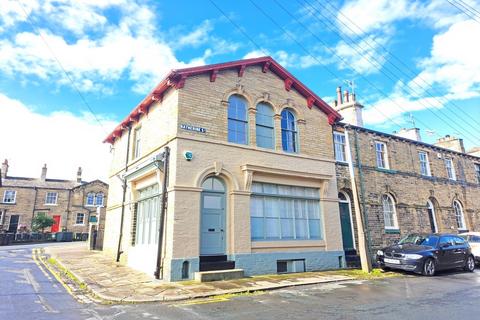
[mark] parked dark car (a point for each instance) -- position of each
(427, 253)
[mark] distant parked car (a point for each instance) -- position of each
(473, 239)
(427, 253)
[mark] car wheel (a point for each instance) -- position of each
(385, 268)
(469, 264)
(429, 267)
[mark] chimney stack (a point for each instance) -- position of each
(4, 169)
(339, 95)
(44, 172)
(349, 108)
(451, 142)
(79, 175)
(410, 133)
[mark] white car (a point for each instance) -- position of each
(473, 239)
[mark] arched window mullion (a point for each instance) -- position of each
(389, 212)
(265, 126)
(459, 216)
(289, 131)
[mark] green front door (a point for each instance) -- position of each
(346, 223)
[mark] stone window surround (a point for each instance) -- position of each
(94, 197)
(343, 158)
(13, 199)
(49, 198)
(477, 171)
(427, 163)
(386, 163)
(278, 108)
(458, 212)
(76, 219)
(393, 211)
(137, 142)
(449, 164)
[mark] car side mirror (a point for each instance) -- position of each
(445, 245)
(395, 241)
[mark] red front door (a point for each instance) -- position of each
(56, 223)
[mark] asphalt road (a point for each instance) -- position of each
(28, 292)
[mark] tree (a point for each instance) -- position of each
(40, 222)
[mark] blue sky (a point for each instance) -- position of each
(70, 70)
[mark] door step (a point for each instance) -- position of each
(353, 261)
(212, 263)
(218, 275)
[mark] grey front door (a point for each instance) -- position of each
(212, 218)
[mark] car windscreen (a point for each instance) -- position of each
(422, 240)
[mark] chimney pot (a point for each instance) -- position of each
(4, 169)
(339, 95)
(79, 174)
(44, 172)
(346, 95)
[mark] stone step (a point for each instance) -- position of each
(353, 261)
(216, 265)
(218, 275)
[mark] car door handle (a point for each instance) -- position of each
(211, 230)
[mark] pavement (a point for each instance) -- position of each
(28, 291)
(113, 282)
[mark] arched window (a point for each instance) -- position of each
(99, 199)
(389, 212)
(289, 131)
(237, 119)
(264, 126)
(458, 210)
(90, 199)
(213, 184)
(431, 216)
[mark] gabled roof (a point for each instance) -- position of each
(176, 79)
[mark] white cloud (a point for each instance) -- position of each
(62, 140)
(287, 60)
(369, 15)
(363, 57)
(393, 108)
(453, 61)
(196, 37)
(131, 48)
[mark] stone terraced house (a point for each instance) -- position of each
(257, 178)
(69, 202)
(251, 175)
(405, 185)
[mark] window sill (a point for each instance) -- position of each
(79, 225)
(50, 204)
(386, 170)
(392, 231)
(266, 244)
(8, 203)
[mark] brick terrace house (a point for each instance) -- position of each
(69, 202)
(251, 182)
(405, 185)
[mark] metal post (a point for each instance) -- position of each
(124, 187)
(159, 266)
(362, 245)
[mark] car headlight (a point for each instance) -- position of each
(379, 253)
(413, 256)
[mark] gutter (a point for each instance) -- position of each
(159, 265)
(124, 187)
(362, 194)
